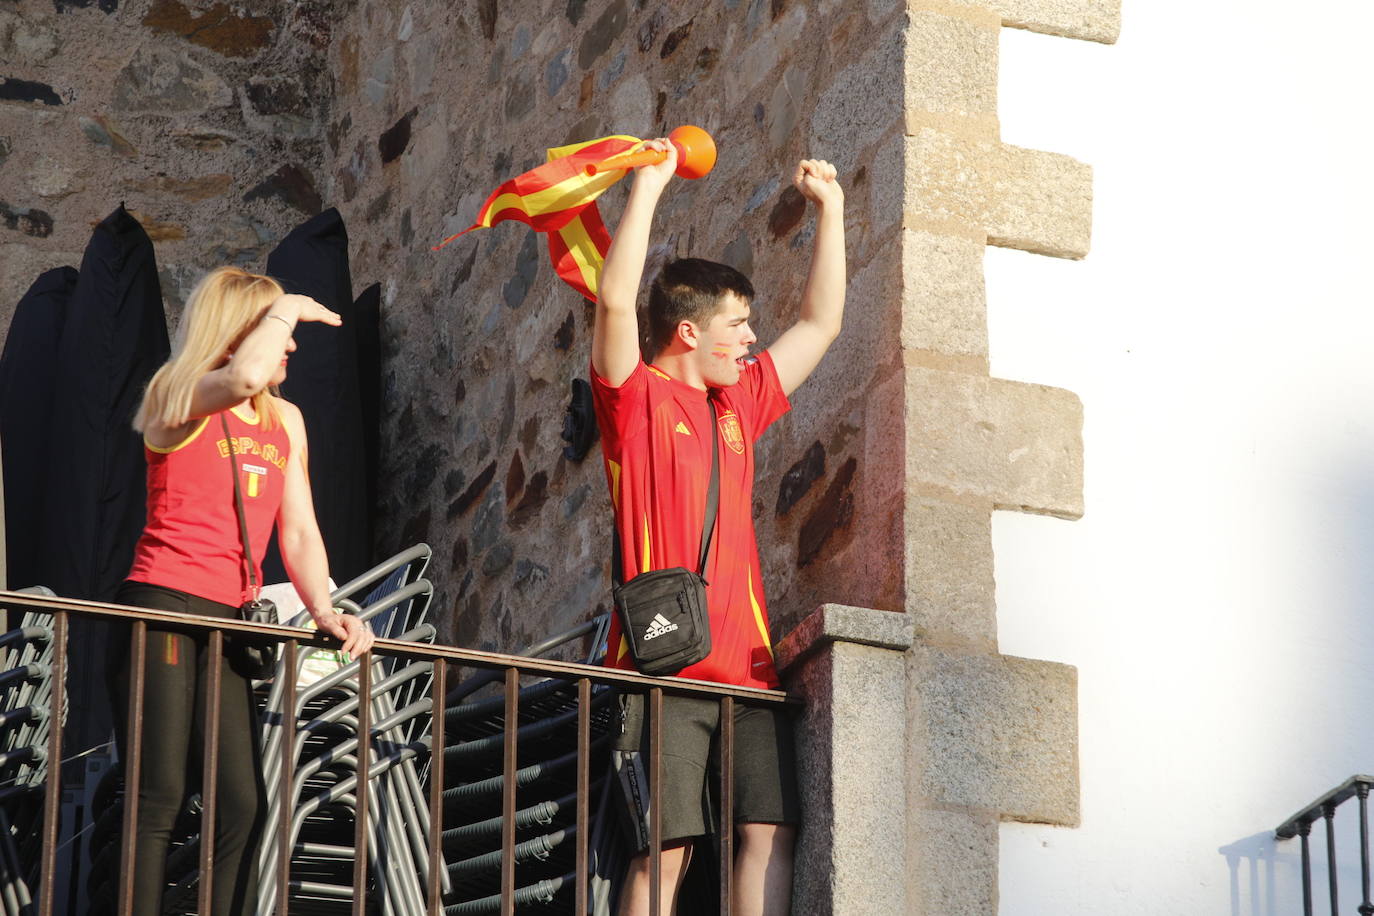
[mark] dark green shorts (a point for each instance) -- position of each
(765, 775)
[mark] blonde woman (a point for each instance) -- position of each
(230, 354)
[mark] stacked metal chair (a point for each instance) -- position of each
(25, 694)
(545, 820)
(323, 805)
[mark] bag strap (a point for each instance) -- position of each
(238, 504)
(712, 507)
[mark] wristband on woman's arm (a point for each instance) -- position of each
(290, 328)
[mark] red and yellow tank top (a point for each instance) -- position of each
(191, 539)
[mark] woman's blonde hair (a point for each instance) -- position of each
(225, 305)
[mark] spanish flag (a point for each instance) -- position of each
(559, 200)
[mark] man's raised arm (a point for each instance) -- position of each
(800, 348)
(615, 335)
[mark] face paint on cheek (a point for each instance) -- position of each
(721, 352)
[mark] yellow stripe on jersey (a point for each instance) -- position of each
(758, 616)
(614, 469)
(646, 563)
(624, 648)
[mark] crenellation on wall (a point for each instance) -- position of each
(950, 82)
(998, 735)
(1028, 199)
(1088, 20)
(1010, 444)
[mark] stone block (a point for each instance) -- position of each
(978, 440)
(849, 665)
(996, 735)
(1015, 198)
(219, 28)
(950, 589)
(951, 71)
(25, 41)
(944, 302)
(832, 623)
(779, 42)
(1090, 20)
(159, 80)
(862, 102)
(954, 862)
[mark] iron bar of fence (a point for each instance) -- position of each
(1329, 813)
(360, 816)
(52, 792)
(727, 801)
(438, 690)
(508, 767)
(138, 651)
(288, 756)
(209, 779)
(584, 770)
(1365, 909)
(1306, 831)
(655, 710)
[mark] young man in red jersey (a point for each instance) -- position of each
(655, 423)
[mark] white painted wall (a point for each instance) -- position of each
(1218, 597)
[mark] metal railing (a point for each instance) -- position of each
(508, 670)
(1324, 809)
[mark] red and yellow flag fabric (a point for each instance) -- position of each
(559, 200)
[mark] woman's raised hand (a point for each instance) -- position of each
(293, 307)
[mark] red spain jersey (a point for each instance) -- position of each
(191, 540)
(656, 444)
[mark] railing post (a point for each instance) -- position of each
(209, 788)
(727, 802)
(1305, 831)
(138, 652)
(1362, 790)
(655, 800)
(285, 846)
(1329, 813)
(508, 761)
(584, 769)
(52, 792)
(361, 793)
(438, 687)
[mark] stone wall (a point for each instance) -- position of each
(205, 118)
(438, 103)
(223, 126)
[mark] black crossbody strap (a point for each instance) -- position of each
(238, 504)
(712, 507)
(712, 493)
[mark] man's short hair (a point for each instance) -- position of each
(690, 289)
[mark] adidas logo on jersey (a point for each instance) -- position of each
(682, 428)
(659, 626)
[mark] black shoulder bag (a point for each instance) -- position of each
(663, 612)
(253, 658)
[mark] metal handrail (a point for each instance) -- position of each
(419, 651)
(1324, 808)
(511, 669)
